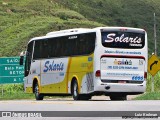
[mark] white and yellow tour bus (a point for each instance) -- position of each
(109, 61)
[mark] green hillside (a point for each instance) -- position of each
(131, 13)
(21, 20)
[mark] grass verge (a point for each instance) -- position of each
(149, 96)
(13, 92)
(16, 96)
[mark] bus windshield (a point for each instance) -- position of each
(120, 39)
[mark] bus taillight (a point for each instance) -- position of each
(98, 73)
(145, 74)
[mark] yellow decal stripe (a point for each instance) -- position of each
(68, 68)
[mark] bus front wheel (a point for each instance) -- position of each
(38, 96)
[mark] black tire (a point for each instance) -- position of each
(85, 97)
(75, 92)
(118, 98)
(76, 95)
(38, 96)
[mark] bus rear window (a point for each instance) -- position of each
(119, 39)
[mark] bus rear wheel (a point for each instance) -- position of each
(75, 92)
(76, 95)
(85, 97)
(38, 96)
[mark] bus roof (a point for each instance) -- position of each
(120, 28)
(84, 30)
(68, 31)
(64, 33)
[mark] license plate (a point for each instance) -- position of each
(121, 81)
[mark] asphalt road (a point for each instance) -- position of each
(95, 108)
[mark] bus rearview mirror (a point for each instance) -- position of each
(21, 60)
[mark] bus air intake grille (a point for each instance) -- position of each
(90, 85)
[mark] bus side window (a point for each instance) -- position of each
(66, 46)
(61, 46)
(40, 49)
(44, 49)
(82, 44)
(90, 43)
(70, 47)
(37, 47)
(52, 47)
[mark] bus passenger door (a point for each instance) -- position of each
(34, 72)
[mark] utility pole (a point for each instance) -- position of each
(155, 48)
(155, 35)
